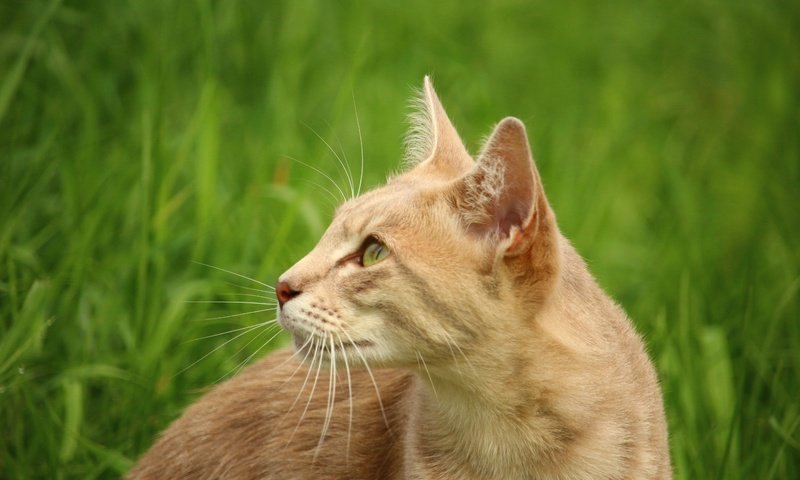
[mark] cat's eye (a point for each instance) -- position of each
(373, 252)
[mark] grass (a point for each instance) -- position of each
(140, 140)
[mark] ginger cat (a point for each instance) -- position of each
(443, 328)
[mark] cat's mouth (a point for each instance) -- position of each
(304, 342)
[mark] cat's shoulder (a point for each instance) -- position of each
(236, 428)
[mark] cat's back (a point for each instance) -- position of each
(268, 422)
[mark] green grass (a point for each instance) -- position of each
(138, 138)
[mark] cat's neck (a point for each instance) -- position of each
(516, 406)
(484, 423)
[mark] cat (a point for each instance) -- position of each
(442, 328)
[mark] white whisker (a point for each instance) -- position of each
(294, 353)
(228, 373)
(344, 155)
(299, 365)
(236, 274)
(338, 188)
(262, 310)
(251, 295)
(209, 353)
(450, 341)
(268, 292)
(371, 377)
(331, 194)
(331, 398)
(347, 175)
(248, 327)
(313, 388)
(452, 352)
(314, 348)
(349, 395)
(308, 373)
(233, 302)
(361, 147)
(425, 365)
(250, 357)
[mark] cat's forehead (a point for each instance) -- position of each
(386, 207)
(395, 206)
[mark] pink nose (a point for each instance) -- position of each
(284, 292)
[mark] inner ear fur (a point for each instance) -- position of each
(500, 197)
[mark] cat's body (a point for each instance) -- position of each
(502, 357)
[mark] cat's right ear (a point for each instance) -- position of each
(502, 197)
(433, 146)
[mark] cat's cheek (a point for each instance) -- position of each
(368, 327)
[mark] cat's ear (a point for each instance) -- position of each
(433, 146)
(501, 196)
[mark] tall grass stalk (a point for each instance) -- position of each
(142, 141)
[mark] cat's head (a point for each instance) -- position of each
(442, 261)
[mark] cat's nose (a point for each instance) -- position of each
(285, 292)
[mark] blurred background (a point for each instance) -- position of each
(141, 141)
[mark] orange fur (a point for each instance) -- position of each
(498, 355)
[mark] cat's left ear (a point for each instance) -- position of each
(499, 197)
(433, 146)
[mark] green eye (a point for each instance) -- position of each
(374, 252)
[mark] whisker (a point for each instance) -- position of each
(425, 365)
(348, 177)
(451, 341)
(361, 147)
(299, 366)
(350, 397)
(341, 149)
(294, 354)
(250, 357)
(331, 194)
(331, 398)
(237, 274)
(452, 352)
(249, 327)
(313, 388)
(302, 389)
(252, 295)
(275, 368)
(250, 288)
(209, 353)
(308, 373)
(335, 379)
(234, 302)
(262, 310)
(341, 192)
(228, 373)
(371, 377)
